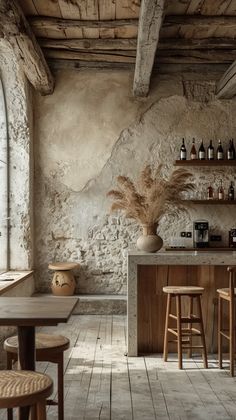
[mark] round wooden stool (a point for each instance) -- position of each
(24, 388)
(184, 335)
(49, 348)
(63, 282)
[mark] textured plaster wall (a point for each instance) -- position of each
(19, 113)
(91, 130)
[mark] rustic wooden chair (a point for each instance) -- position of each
(25, 388)
(49, 348)
(227, 295)
(184, 335)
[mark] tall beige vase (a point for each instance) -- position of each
(149, 241)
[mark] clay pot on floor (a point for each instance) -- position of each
(149, 241)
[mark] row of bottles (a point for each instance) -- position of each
(220, 192)
(210, 154)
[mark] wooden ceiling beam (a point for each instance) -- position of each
(51, 23)
(150, 21)
(200, 20)
(16, 30)
(226, 87)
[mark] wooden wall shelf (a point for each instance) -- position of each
(210, 202)
(206, 162)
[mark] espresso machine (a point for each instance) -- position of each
(201, 234)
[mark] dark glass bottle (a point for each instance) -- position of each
(193, 152)
(201, 152)
(221, 193)
(210, 151)
(183, 151)
(210, 193)
(220, 152)
(231, 191)
(233, 149)
(230, 152)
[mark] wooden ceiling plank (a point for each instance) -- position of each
(47, 8)
(194, 7)
(226, 87)
(231, 9)
(216, 7)
(127, 9)
(42, 22)
(204, 43)
(178, 7)
(150, 21)
(106, 11)
(28, 7)
(15, 28)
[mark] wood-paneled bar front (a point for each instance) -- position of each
(149, 273)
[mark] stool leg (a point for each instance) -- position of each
(165, 350)
(60, 384)
(204, 352)
(41, 410)
(190, 327)
(231, 336)
(219, 332)
(9, 366)
(179, 331)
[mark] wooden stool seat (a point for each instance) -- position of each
(184, 336)
(49, 348)
(225, 291)
(183, 290)
(63, 266)
(25, 388)
(46, 345)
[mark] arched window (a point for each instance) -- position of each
(4, 188)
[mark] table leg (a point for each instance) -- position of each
(26, 356)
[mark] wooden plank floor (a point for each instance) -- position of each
(102, 383)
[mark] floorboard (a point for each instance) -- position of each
(102, 383)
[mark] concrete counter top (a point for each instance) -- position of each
(182, 257)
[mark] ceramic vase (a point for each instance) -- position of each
(149, 241)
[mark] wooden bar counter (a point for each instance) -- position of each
(148, 273)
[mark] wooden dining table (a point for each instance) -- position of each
(26, 313)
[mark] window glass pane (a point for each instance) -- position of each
(3, 182)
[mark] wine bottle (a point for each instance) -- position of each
(231, 191)
(221, 191)
(220, 152)
(230, 153)
(193, 152)
(210, 151)
(183, 152)
(233, 149)
(201, 152)
(210, 193)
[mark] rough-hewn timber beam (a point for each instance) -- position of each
(200, 21)
(130, 44)
(226, 87)
(51, 23)
(16, 30)
(150, 20)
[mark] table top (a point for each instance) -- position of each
(35, 311)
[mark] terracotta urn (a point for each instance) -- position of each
(63, 282)
(149, 241)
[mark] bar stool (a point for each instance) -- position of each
(24, 388)
(227, 295)
(184, 335)
(49, 348)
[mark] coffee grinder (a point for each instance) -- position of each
(201, 234)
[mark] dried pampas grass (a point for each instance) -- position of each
(153, 196)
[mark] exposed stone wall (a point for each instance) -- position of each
(91, 130)
(19, 115)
